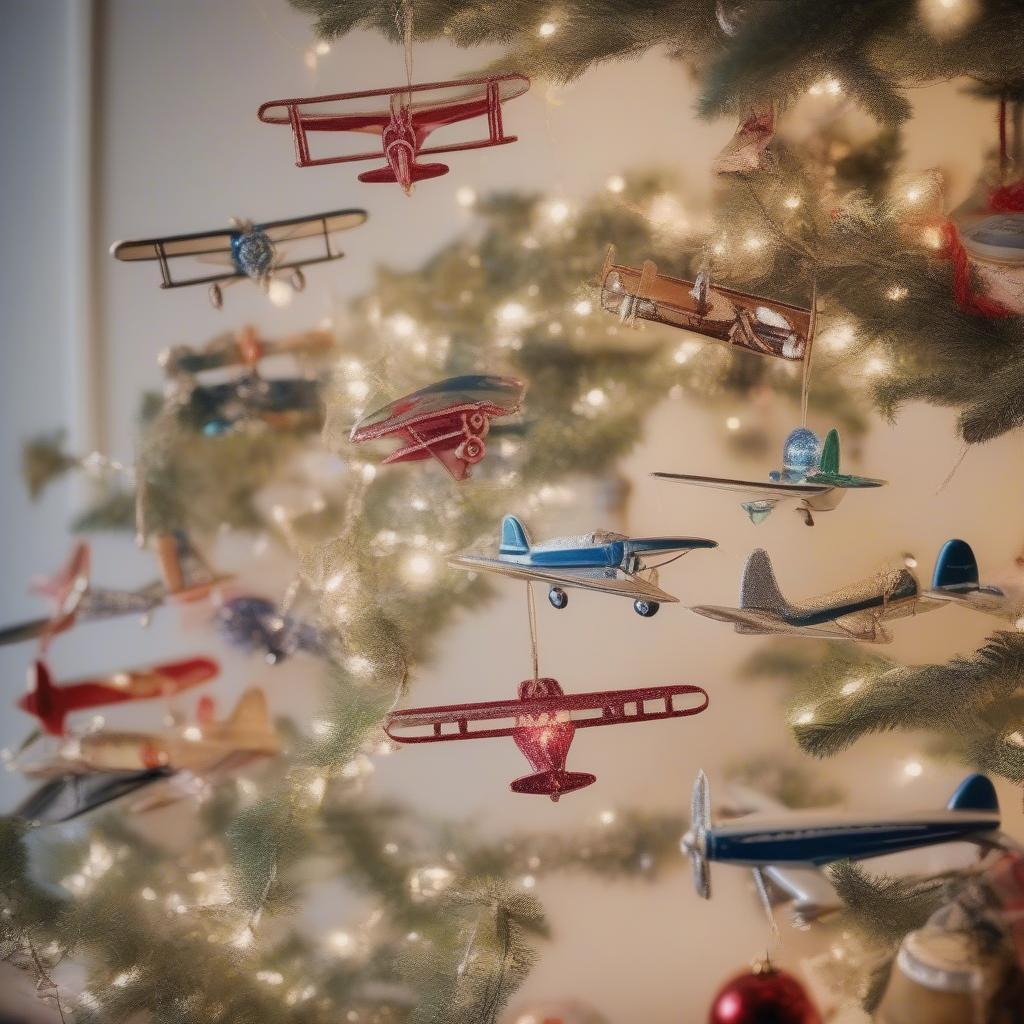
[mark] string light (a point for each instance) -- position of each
(193, 733)
(357, 389)
(558, 212)
(280, 293)
(804, 717)
(607, 818)
(913, 769)
(322, 48)
(528, 881)
(583, 308)
(595, 397)
(897, 293)
(512, 313)
(850, 688)
(368, 472)
(402, 325)
(616, 184)
(270, 977)
(733, 423)
(341, 943)
(465, 197)
(419, 567)
(791, 202)
(547, 30)
(875, 365)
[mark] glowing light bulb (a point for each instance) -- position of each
(341, 943)
(850, 688)
(804, 717)
(465, 197)
(270, 977)
(368, 472)
(733, 423)
(357, 389)
(528, 881)
(791, 202)
(752, 243)
(595, 397)
(280, 293)
(607, 817)
(402, 324)
(875, 366)
(420, 567)
(558, 212)
(616, 184)
(583, 308)
(322, 49)
(193, 734)
(913, 769)
(547, 30)
(897, 293)
(512, 313)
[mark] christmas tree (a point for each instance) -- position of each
(547, 348)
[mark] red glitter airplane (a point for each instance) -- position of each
(403, 116)
(542, 723)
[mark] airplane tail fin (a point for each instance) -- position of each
(975, 793)
(43, 700)
(759, 588)
(956, 565)
(514, 538)
(416, 172)
(828, 465)
(251, 715)
(553, 783)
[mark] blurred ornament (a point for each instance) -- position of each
(746, 150)
(554, 1011)
(764, 995)
(256, 625)
(253, 252)
(995, 249)
(730, 14)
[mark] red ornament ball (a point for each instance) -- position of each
(763, 996)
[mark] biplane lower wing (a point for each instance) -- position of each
(584, 710)
(621, 583)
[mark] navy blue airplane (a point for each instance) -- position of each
(789, 848)
(605, 561)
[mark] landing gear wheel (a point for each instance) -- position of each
(558, 597)
(471, 451)
(476, 424)
(216, 296)
(646, 608)
(298, 279)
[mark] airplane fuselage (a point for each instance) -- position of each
(755, 844)
(893, 602)
(616, 554)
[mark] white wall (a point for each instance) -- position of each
(180, 149)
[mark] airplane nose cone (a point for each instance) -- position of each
(687, 842)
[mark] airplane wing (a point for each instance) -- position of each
(810, 891)
(755, 490)
(64, 798)
(757, 621)
(431, 105)
(609, 707)
(215, 246)
(622, 584)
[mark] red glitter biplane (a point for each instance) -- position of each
(403, 117)
(542, 723)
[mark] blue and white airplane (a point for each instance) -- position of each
(605, 561)
(857, 612)
(956, 581)
(790, 848)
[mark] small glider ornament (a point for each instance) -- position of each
(402, 117)
(749, 322)
(787, 850)
(857, 612)
(52, 704)
(245, 251)
(185, 577)
(809, 476)
(287, 403)
(607, 562)
(448, 420)
(542, 721)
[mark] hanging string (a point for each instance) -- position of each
(403, 22)
(531, 611)
(762, 892)
(806, 381)
(1004, 157)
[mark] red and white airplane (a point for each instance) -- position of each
(542, 722)
(403, 116)
(448, 420)
(52, 704)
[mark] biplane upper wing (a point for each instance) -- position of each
(430, 105)
(608, 581)
(216, 246)
(609, 707)
(753, 489)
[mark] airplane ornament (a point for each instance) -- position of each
(66, 797)
(809, 475)
(185, 577)
(52, 704)
(244, 251)
(603, 561)
(542, 721)
(789, 850)
(403, 117)
(857, 612)
(750, 322)
(955, 581)
(215, 408)
(447, 420)
(256, 625)
(746, 151)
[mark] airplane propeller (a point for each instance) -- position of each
(694, 842)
